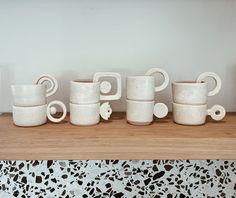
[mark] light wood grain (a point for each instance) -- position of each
(118, 140)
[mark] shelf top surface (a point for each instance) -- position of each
(116, 139)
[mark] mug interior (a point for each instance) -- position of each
(86, 81)
(188, 83)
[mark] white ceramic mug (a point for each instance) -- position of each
(34, 94)
(89, 92)
(141, 112)
(195, 92)
(142, 88)
(196, 114)
(37, 115)
(89, 114)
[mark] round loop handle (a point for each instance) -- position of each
(216, 78)
(217, 112)
(53, 83)
(51, 110)
(160, 110)
(105, 111)
(106, 86)
(163, 73)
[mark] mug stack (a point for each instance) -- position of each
(85, 97)
(141, 97)
(190, 100)
(30, 106)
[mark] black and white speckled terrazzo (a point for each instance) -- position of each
(170, 179)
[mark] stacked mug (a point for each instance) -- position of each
(30, 103)
(190, 101)
(141, 98)
(85, 97)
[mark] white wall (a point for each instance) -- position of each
(76, 38)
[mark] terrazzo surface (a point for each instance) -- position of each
(118, 179)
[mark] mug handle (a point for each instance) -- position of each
(160, 110)
(215, 77)
(217, 112)
(52, 111)
(105, 111)
(105, 86)
(163, 73)
(53, 83)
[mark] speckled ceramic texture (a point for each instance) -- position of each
(128, 179)
(84, 92)
(196, 114)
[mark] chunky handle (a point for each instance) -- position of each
(163, 73)
(53, 83)
(51, 110)
(160, 110)
(105, 86)
(217, 112)
(105, 111)
(217, 81)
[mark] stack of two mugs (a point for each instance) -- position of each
(190, 101)
(141, 98)
(30, 103)
(85, 97)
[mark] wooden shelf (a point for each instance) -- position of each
(118, 140)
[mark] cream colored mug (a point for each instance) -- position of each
(195, 92)
(196, 114)
(37, 115)
(91, 91)
(141, 112)
(142, 88)
(34, 94)
(89, 114)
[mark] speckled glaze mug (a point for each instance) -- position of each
(37, 115)
(195, 92)
(89, 114)
(34, 94)
(89, 91)
(142, 88)
(141, 112)
(196, 114)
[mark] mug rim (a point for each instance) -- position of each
(29, 107)
(138, 102)
(84, 82)
(188, 83)
(82, 105)
(189, 105)
(140, 76)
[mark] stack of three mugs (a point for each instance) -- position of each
(141, 97)
(85, 97)
(190, 100)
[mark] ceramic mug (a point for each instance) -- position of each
(196, 114)
(34, 94)
(141, 112)
(89, 114)
(142, 88)
(37, 115)
(195, 92)
(89, 92)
